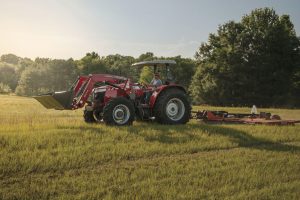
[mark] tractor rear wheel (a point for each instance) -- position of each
(89, 116)
(172, 107)
(119, 111)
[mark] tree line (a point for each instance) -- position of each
(253, 61)
(24, 76)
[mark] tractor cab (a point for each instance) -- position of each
(162, 72)
(163, 67)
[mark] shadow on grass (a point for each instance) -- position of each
(246, 140)
(179, 134)
(184, 133)
(153, 132)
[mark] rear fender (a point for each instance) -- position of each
(156, 94)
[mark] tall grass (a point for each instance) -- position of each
(48, 154)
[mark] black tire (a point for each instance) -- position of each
(119, 106)
(88, 116)
(165, 107)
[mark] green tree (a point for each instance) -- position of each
(60, 74)
(146, 57)
(8, 75)
(24, 63)
(10, 58)
(47, 76)
(121, 65)
(91, 63)
(146, 75)
(249, 62)
(32, 82)
(4, 89)
(11, 67)
(183, 70)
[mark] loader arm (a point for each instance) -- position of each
(78, 94)
(85, 88)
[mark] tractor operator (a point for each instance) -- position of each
(155, 82)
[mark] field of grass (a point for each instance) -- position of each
(48, 154)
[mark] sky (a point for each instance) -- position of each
(71, 28)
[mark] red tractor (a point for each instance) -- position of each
(117, 101)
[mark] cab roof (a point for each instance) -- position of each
(154, 63)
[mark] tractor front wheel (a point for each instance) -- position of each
(88, 116)
(172, 107)
(119, 111)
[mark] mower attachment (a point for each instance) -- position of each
(57, 100)
(241, 118)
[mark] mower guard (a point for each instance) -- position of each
(56, 100)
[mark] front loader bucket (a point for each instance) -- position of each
(57, 100)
